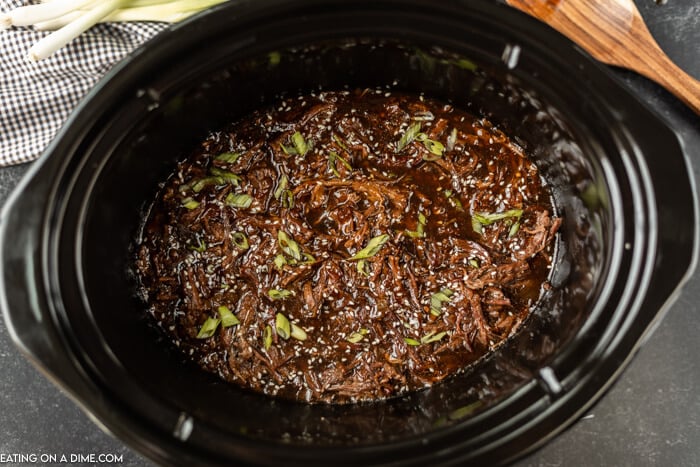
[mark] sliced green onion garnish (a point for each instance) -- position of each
(463, 411)
(237, 200)
(514, 229)
(282, 326)
(308, 259)
(190, 203)
(411, 341)
(437, 299)
(230, 177)
(228, 319)
(476, 226)
(288, 245)
(267, 337)
(287, 199)
(281, 186)
(340, 143)
(420, 229)
(208, 328)
(362, 267)
(435, 147)
(202, 183)
(228, 157)
(280, 261)
(298, 333)
(408, 137)
(279, 294)
(356, 337)
(274, 58)
(480, 219)
(465, 64)
(486, 218)
(289, 150)
(454, 201)
(332, 157)
(372, 248)
(201, 246)
(432, 337)
(412, 134)
(240, 240)
(300, 144)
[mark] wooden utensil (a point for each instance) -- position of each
(614, 32)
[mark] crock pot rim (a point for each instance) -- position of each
(75, 121)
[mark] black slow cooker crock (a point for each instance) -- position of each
(617, 172)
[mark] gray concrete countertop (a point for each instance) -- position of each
(651, 416)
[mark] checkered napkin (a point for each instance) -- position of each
(36, 98)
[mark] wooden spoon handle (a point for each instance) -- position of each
(614, 32)
(658, 67)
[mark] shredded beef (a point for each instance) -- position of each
(347, 246)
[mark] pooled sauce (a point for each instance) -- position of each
(347, 246)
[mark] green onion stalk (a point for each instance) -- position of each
(70, 18)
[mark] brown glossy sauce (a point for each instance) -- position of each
(364, 244)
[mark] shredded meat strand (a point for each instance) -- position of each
(274, 219)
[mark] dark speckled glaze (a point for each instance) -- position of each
(630, 242)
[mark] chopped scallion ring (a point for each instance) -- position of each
(208, 328)
(372, 248)
(226, 175)
(298, 333)
(228, 319)
(281, 186)
(267, 337)
(228, 157)
(236, 200)
(282, 326)
(479, 219)
(437, 299)
(240, 240)
(190, 203)
(288, 245)
(432, 337)
(279, 294)
(420, 229)
(408, 137)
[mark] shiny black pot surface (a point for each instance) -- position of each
(618, 175)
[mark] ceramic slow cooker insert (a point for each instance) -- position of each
(617, 173)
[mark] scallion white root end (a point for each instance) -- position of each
(5, 21)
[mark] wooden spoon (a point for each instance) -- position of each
(614, 32)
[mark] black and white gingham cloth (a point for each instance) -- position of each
(36, 98)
